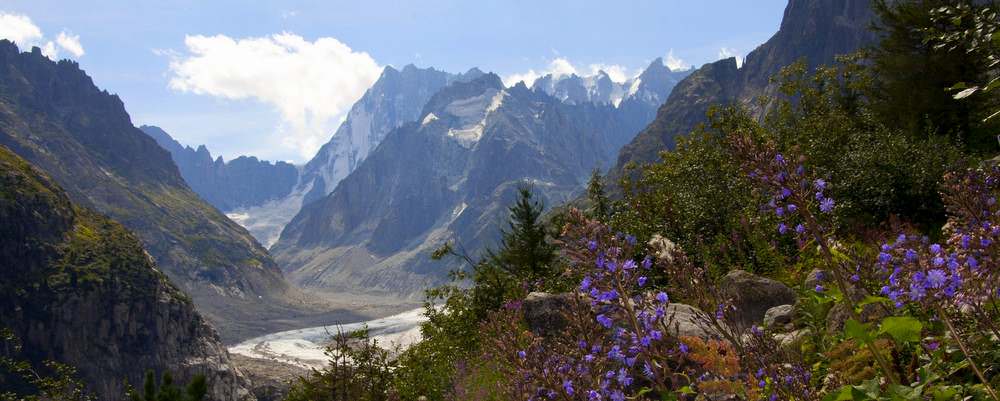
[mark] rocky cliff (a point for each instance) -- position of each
(53, 115)
(815, 31)
(78, 288)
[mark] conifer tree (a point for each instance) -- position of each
(600, 204)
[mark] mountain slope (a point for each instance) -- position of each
(813, 30)
(241, 182)
(396, 98)
(79, 289)
(52, 115)
(449, 176)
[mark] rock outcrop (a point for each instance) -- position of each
(53, 115)
(811, 30)
(78, 288)
(752, 296)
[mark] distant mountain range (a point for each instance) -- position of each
(242, 182)
(264, 196)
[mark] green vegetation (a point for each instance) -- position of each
(870, 177)
(20, 380)
(166, 390)
(360, 370)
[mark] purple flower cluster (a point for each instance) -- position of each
(636, 321)
(962, 271)
(623, 344)
(794, 194)
(918, 271)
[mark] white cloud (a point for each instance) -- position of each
(560, 66)
(311, 84)
(727, 52)
(19, 29)
(22, 31)
(70, 43)
(675, 63)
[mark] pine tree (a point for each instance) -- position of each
(525, 252)
(167, 391)
(600, 205)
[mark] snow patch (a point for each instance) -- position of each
(306, 347)
(266, 221)
(459, 209)
(428, 119)
(472, 114)
(634, 88)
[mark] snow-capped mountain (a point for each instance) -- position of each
(648, 90)
(395, 98)
(447, 176)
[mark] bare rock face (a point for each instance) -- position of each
(79, 289)
(55, 117)
(546, 313)
(753, 295)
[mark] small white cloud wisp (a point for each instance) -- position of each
(310, 83)
(21, 30)
(674, 63)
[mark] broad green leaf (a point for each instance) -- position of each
(903, 329)
(905, 392)
(871, 299)
(856, 330)
(944, 393)
(846, 393)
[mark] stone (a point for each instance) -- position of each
(545, 313)
(753, 295)
(816, 277)
(792, 338)
(686, 321)
(779, 316)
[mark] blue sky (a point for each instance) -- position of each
(273, 79)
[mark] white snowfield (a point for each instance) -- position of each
(306, 347)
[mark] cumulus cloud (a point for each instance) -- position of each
(21, 30)
(70, 43)
(675, 63)
(311, 84)
(560, 66)
(727, 52)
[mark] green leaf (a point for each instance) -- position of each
(847, 393)
(871, 299)
(903, 329)
(856, 330)
(907, 393)
(944, 393)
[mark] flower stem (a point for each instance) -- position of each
(845, 290)
(968, 355)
